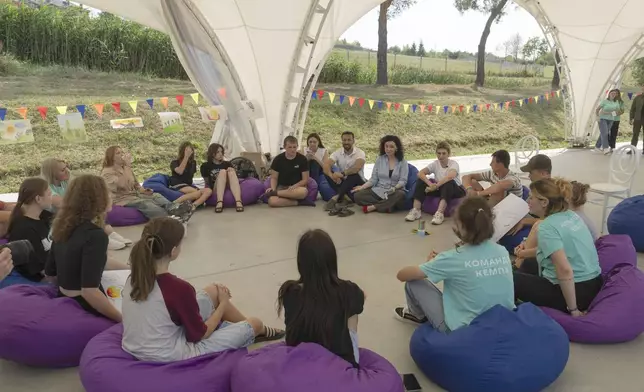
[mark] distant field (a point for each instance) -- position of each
(456, 66)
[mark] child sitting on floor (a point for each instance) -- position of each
(477, 275)
(319, 307)
(165, 319)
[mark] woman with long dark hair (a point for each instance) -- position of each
(319, 307)
(183, 172)
(316, 154)
(385, 191)
(219, 174)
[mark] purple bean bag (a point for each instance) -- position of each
(616, 314)
(3, 241)
(312, 368)
(105, 367)
(430, 205)
(39, 329)
(251, 190)
(125, 216)
(312, 186)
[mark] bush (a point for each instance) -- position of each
(637, 70)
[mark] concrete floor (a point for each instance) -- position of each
(254, 252)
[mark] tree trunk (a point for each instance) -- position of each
(381, 78)
(480, 62)
(555, 77)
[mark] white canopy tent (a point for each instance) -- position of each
(246, 54)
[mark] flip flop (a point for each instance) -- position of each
(270, 334)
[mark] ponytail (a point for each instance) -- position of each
(16, 213)
(476, 221)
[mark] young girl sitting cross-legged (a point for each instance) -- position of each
(477, 275)
(165, 319)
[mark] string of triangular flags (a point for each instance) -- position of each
(99, 108)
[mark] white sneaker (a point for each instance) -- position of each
(597, 150)
(114, 244)
(185, 229)
(120, 238)
(438, 218)
(608, 151)
(413, 215)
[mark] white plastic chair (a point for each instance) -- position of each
(623, 166)
(526, 148)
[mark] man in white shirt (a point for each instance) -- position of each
(447, 184)
(503, 180)
(350, 160)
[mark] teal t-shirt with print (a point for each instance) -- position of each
(608, 106)
(476, 278)
(567, 231)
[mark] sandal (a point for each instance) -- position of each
(270, 334)
(239, 207)
(219, 207)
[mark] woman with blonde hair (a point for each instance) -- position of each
(78, 254)
(569, 275)
(57, 173)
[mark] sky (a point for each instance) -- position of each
(440, 26)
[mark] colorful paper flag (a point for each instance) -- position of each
(405, 107)
(3, 113)
(150, 102)
(630, 95)
(164, 102)
(474, 107)
(460, 108)
(314, 95)
(194, 96)
(351, 100)
(371, 102)
(179, 99)
(23, 112)
(467, 109)
(397, 106)
(61, 109)
(559, 92)
(388, 106)
(320, 94)
(133, 105)
(331, 97)
(117, 107)
(413, 108)
(99, 109)
(445, 109)
(222, 93)
(361, 102)
(430, 108)
(536, 99)
(43, 111)
(422, 108)
(341, 99)
(487, 106)
(81, 110)
(380, 103)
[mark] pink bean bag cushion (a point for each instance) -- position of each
(252, 190)
(312, 187)
(39, 329)
(125, 216)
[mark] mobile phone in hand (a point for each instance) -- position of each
(411, 384)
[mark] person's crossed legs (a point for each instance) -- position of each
(342, 189)
(286, 196)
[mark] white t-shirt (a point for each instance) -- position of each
(440, 172)
(346, 160)
(319, 154)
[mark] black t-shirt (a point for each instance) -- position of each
(348, 302)
(36, 231)
(79, 262)
(210, 170)
(188, 173)
(290, 170)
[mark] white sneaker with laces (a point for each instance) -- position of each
(413, 215)
(120, 238)
(438, 218)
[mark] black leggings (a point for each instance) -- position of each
(540, 291)
(448, 191)
(347, 184)
(612, 136)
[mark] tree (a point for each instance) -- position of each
(530, 50)
(421, 49)
(413, 51)
(513, 46)
(637, 69)
(495, 9)
(395, 49)
(388, 9)
(556, 80)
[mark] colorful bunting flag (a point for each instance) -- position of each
(23, 112)
(474, 107)
(61, 109)
(405, 107)
(361, 102)
(117, 107)
(559, 92)
(536, 99)
(380, 105)
(314, 95)
(99, 109)
(341, 99)
(422, 108)
(445, 109)
(351, 100)
(388, 106)
(43, 111)
(630, 95)
(179, 99)
(133, 104)
(150, 102)
(3, 113)
(164, 102)
(396, 106)
(194, 96)
(413, 108)
(467, 109)
(460, 108)
(487, 106)
(371, 102)
(430, 108)
(81, 110)
(222, 93)
(331, 97)
(320, 94)
(453, 108)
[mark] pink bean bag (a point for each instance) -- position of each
(251, 191)
(312, 187)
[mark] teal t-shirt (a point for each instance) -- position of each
(59, 190)
(476, 278)
(609, 107)
(567, 231)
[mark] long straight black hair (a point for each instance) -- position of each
(317, 263)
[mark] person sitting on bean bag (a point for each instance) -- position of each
(57, 173)
(385, 191)
(447, 184)
(126, 190)
(78, 254)
(6, 263)
(568, 275)
(320, 307)
(5, 215)
(477, 275)
(503, 180)
(165, 319)
(182, 175)
(350, 160)
(316, 154)
(539, 167)
(289, 177)
(577, 202)
(218, 174)
(31, 221)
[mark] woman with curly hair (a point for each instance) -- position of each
(385, 191)
(78, 254)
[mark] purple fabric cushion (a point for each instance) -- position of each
(38, 329)
(251, 190)
(3, 241)
(105, 367)
(617, 313)
(430, 205)
(125, 216)
(312, 186)
(311, 368)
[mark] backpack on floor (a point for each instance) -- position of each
(244, 167)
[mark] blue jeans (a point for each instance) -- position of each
(15, 278)
(604, 131)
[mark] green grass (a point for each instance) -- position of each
(32, 86)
